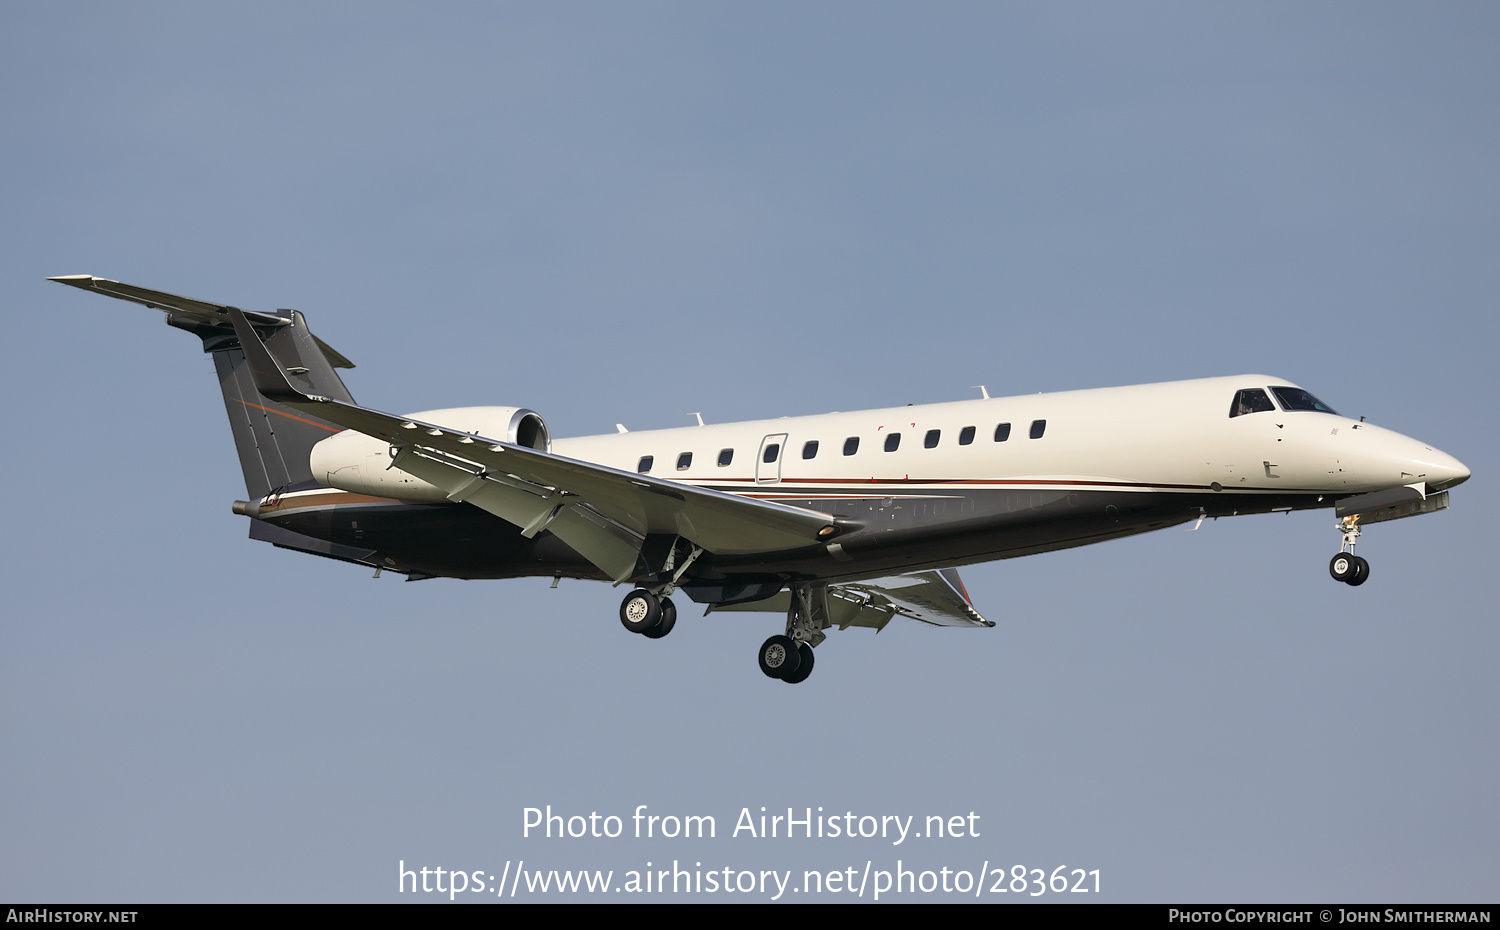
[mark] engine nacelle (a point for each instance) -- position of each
(352, 461)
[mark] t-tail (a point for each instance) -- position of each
(273, 441)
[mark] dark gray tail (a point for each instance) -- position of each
(273, 441)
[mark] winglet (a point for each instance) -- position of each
(269, 379)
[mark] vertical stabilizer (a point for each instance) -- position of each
(273, 441)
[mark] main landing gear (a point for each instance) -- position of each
(785, 658)
(644, 613)
(789, 657)
(1346, 566)
(650, 612)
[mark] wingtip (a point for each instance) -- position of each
(80, 280)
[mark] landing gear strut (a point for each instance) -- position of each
(1346, 566)
(789, 657)
(650, 612)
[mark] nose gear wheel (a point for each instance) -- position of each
(1347, 567)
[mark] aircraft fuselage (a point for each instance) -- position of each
(916, 487)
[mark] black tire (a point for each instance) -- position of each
(665, 623)
(1361, 572)
(804, 668)
(640, 611)
(1343, 567)
(779, 657)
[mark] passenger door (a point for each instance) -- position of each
(768, 458)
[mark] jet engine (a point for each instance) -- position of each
(352, 461)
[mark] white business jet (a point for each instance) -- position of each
(839, 520)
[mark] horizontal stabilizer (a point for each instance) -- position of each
(200, 311)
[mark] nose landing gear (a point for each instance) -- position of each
(1346, 566)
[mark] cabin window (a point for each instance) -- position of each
(1250, 400)
(810, 449)
(645, 464)
(1002, 432)
(684, 461)
(851, 445)
(1297, 399)
(725, 457)
(966, 436)
(773, 450)
(930, 441)
(1038, 427)
(892, 442)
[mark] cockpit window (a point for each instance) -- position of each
(1250, 400)
(1297, 399)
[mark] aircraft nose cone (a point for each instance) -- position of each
(1444, 471)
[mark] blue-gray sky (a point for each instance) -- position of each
(628, 212)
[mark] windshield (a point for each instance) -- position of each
(1297, 399)
(1250, 400)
